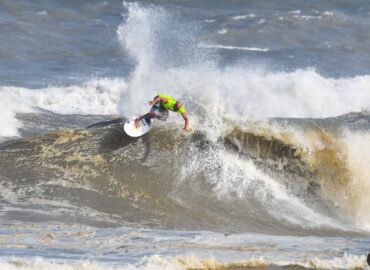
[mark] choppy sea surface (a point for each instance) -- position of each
(275, 176)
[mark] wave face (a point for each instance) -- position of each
(247, 180)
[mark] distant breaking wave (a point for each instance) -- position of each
(244, 16)
(224, 47)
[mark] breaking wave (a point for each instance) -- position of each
(247, 180)
(238, 172)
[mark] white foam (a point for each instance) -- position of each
(223, 31)
(43, 13)
(329, 13)
(93, 97)
(348, 261)
(239, 91)
(253, 49)
(239, 17)
(157, 262)
(242, 17)
(356, 199)
(233, 178)
(134, 35)
(306, 17)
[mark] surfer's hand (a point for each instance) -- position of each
(154, 101)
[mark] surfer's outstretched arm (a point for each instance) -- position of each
(157, 100)
(187, 122)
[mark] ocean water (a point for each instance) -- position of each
(275, 176)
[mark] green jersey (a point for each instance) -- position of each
(170, 105)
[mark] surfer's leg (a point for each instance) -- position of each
(162, 114)
(155, 112)
(149, 116)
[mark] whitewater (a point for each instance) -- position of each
(275, 175)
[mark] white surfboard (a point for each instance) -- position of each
(131, 130)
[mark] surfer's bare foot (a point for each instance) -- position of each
(137, 123)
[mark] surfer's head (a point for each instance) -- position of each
(177, 106)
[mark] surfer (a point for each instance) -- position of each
(161, 104)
